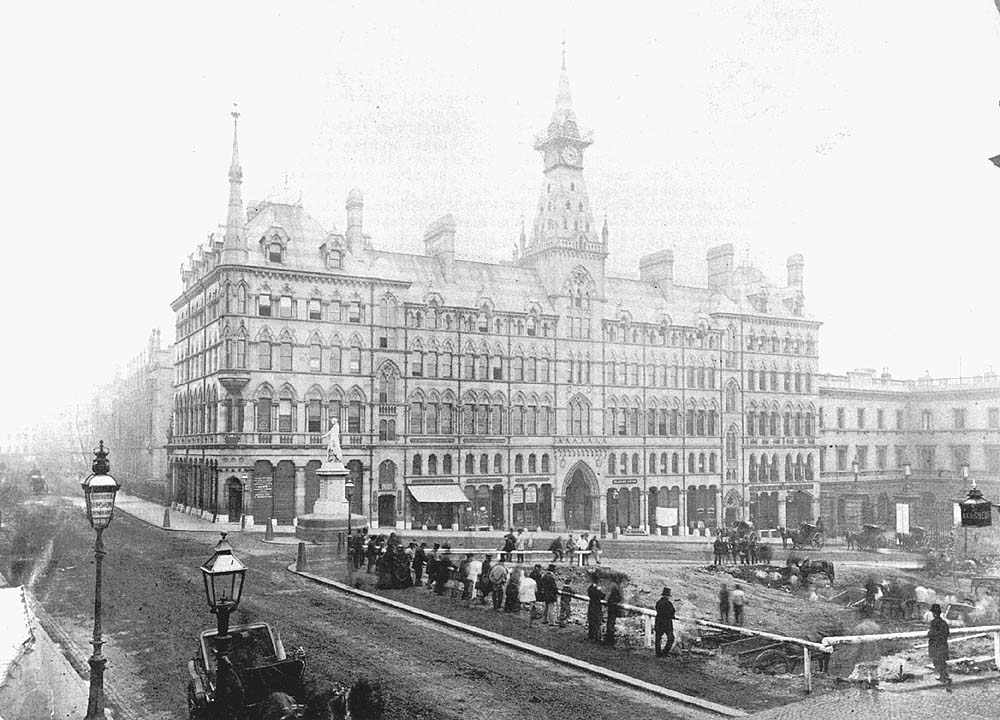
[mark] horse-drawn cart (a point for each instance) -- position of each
(765, 655)
(870, 538)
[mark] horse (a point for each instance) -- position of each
(812, 567)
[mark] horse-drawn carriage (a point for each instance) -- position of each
(807, 536)
(916, 539)
(870, 538)
(254, 679)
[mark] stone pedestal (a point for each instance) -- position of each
(329, 518)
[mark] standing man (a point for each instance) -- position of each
(937, 645)
(565, 603)
(614, 610)
(724, 604)
(498, 580)
(419, 558)
(595, 549)
(737, 598)
(595, 612)
(548, 593)
(664, 622)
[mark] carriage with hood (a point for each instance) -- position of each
(807, 536)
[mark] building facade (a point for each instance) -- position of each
(934, 425)
(134, 421)
(546, 392)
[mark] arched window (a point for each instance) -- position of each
(432, 465)
(387, 386)
(355, 359)
(578, 420)
(446, 465)
(417, 464)
(545, 462)
(470, 464)
(497, 464)
(635, 464)
(416, 417)
(731, 397)
(286, 412)
(518, 463)
(612, 464)
(285, 354)
(484, 464)
(264, 354)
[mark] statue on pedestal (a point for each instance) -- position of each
(333, 449)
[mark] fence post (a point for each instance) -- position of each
(996, 649)
(300, 561)
(807, 668)
(647, 624)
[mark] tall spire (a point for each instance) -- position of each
(234, 249)
(564, 99)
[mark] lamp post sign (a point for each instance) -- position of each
(975, 509)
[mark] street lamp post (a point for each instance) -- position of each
(223, 575)
(99, 490)
(965, 481)
(348, 491)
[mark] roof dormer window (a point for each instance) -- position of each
(274, 252)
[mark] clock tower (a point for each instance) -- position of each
(564, 231)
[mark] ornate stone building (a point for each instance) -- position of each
(882, 424)
(550, 391)
(135, 422)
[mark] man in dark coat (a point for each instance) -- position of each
(419, 558)
(614, 600)
(937, 644)
(595, 612)
(548, 593)
(664, 623)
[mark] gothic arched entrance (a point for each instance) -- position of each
(578, 503)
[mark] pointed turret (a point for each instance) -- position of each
(564, 99)
(234, 248)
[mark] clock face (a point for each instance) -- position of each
(570, 155)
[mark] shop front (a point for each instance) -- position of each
(433, 505)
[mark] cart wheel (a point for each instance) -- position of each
(772, 662)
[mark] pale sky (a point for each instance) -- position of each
(855, 133)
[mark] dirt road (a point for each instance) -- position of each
(154, 608)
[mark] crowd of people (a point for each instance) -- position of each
(744, 549)
(501, 583)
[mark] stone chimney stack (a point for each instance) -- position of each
(439, 242)
(658, 269)
(795, 265)
(720, 268)
(355, 205)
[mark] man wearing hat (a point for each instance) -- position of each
(664, 623)
(937, 644)
(548, 593)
